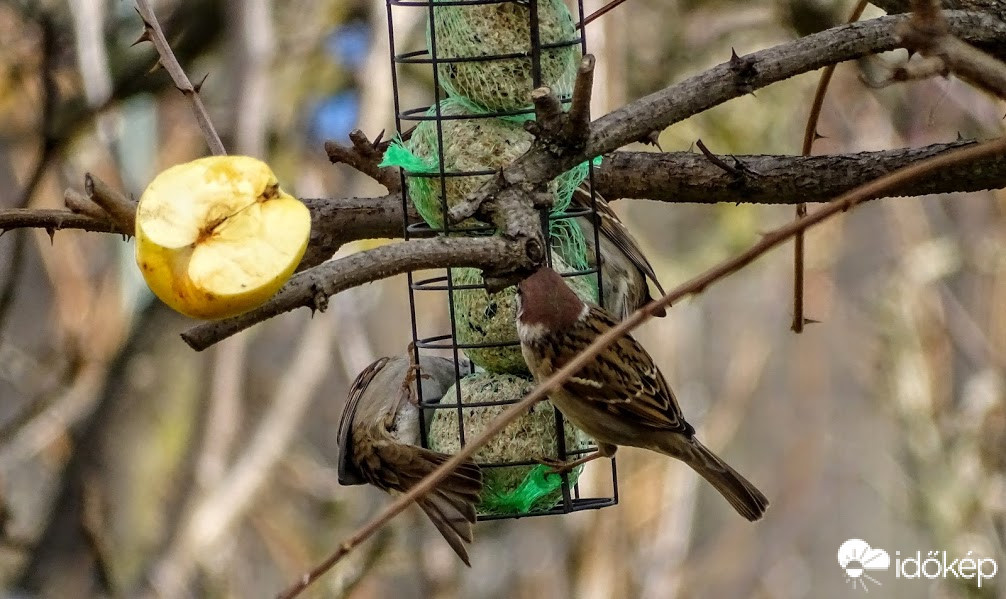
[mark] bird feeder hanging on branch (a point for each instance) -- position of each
(485, 57)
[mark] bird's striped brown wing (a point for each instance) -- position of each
(622, 379)
(349, 473)
(616, 231)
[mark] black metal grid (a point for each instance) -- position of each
(572, 498)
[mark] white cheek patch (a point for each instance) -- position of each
(530, 332)
(583, 312)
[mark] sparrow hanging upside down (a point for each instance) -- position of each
(379, 443)
(619, 397)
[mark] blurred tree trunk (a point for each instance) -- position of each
(122, 488)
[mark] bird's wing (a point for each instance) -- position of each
(450, 505)
(625, 382)
(349, 474)
(616, 231)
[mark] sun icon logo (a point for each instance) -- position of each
(857, 557)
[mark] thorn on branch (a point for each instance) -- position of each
(199, 86)
(144, 37)
(652, 138)
(743, 69)
(167, 59)
(319, 299)
(738, 169)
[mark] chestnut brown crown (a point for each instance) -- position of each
(546, 301)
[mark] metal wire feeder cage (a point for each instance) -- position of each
(573, 496)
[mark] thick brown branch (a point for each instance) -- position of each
(684, 177)
(335, 222)
(313, 287)
(735, 78)
(676, 177)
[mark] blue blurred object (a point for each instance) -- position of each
(349, 44)
(335, 116)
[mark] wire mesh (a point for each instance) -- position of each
(574, 497)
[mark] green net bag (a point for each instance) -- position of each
(509, 489)
(470, 144)
(481, 317)
(494, 29)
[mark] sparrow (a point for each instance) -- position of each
(379, 443)
(619, 397)
(624, 267)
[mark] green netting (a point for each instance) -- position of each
(494, 29)
(474, 144)
(508, 489)
(536, 493)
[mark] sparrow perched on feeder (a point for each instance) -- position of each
(379, 443)
(624, 267)
(619, 397)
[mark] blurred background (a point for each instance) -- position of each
(131, 465)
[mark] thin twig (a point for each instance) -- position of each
(597, 14)
(53, 220)
(692, 287)
(79, 203)
(152, 32)
(365, 156)
(809, 136)
(121, 209)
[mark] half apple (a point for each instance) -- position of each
(216, 237)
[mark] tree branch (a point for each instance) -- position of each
(685, 177)
(674, 177)
(365, 156)
(737, 77)
(927, 32)
(313, 287)
(152, 32)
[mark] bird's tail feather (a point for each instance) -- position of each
(742, 495)
(451, 505)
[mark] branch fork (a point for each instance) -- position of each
(557, 132)
(366, 156)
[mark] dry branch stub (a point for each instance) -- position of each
(485, 57)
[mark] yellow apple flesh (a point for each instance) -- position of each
(216, 237)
